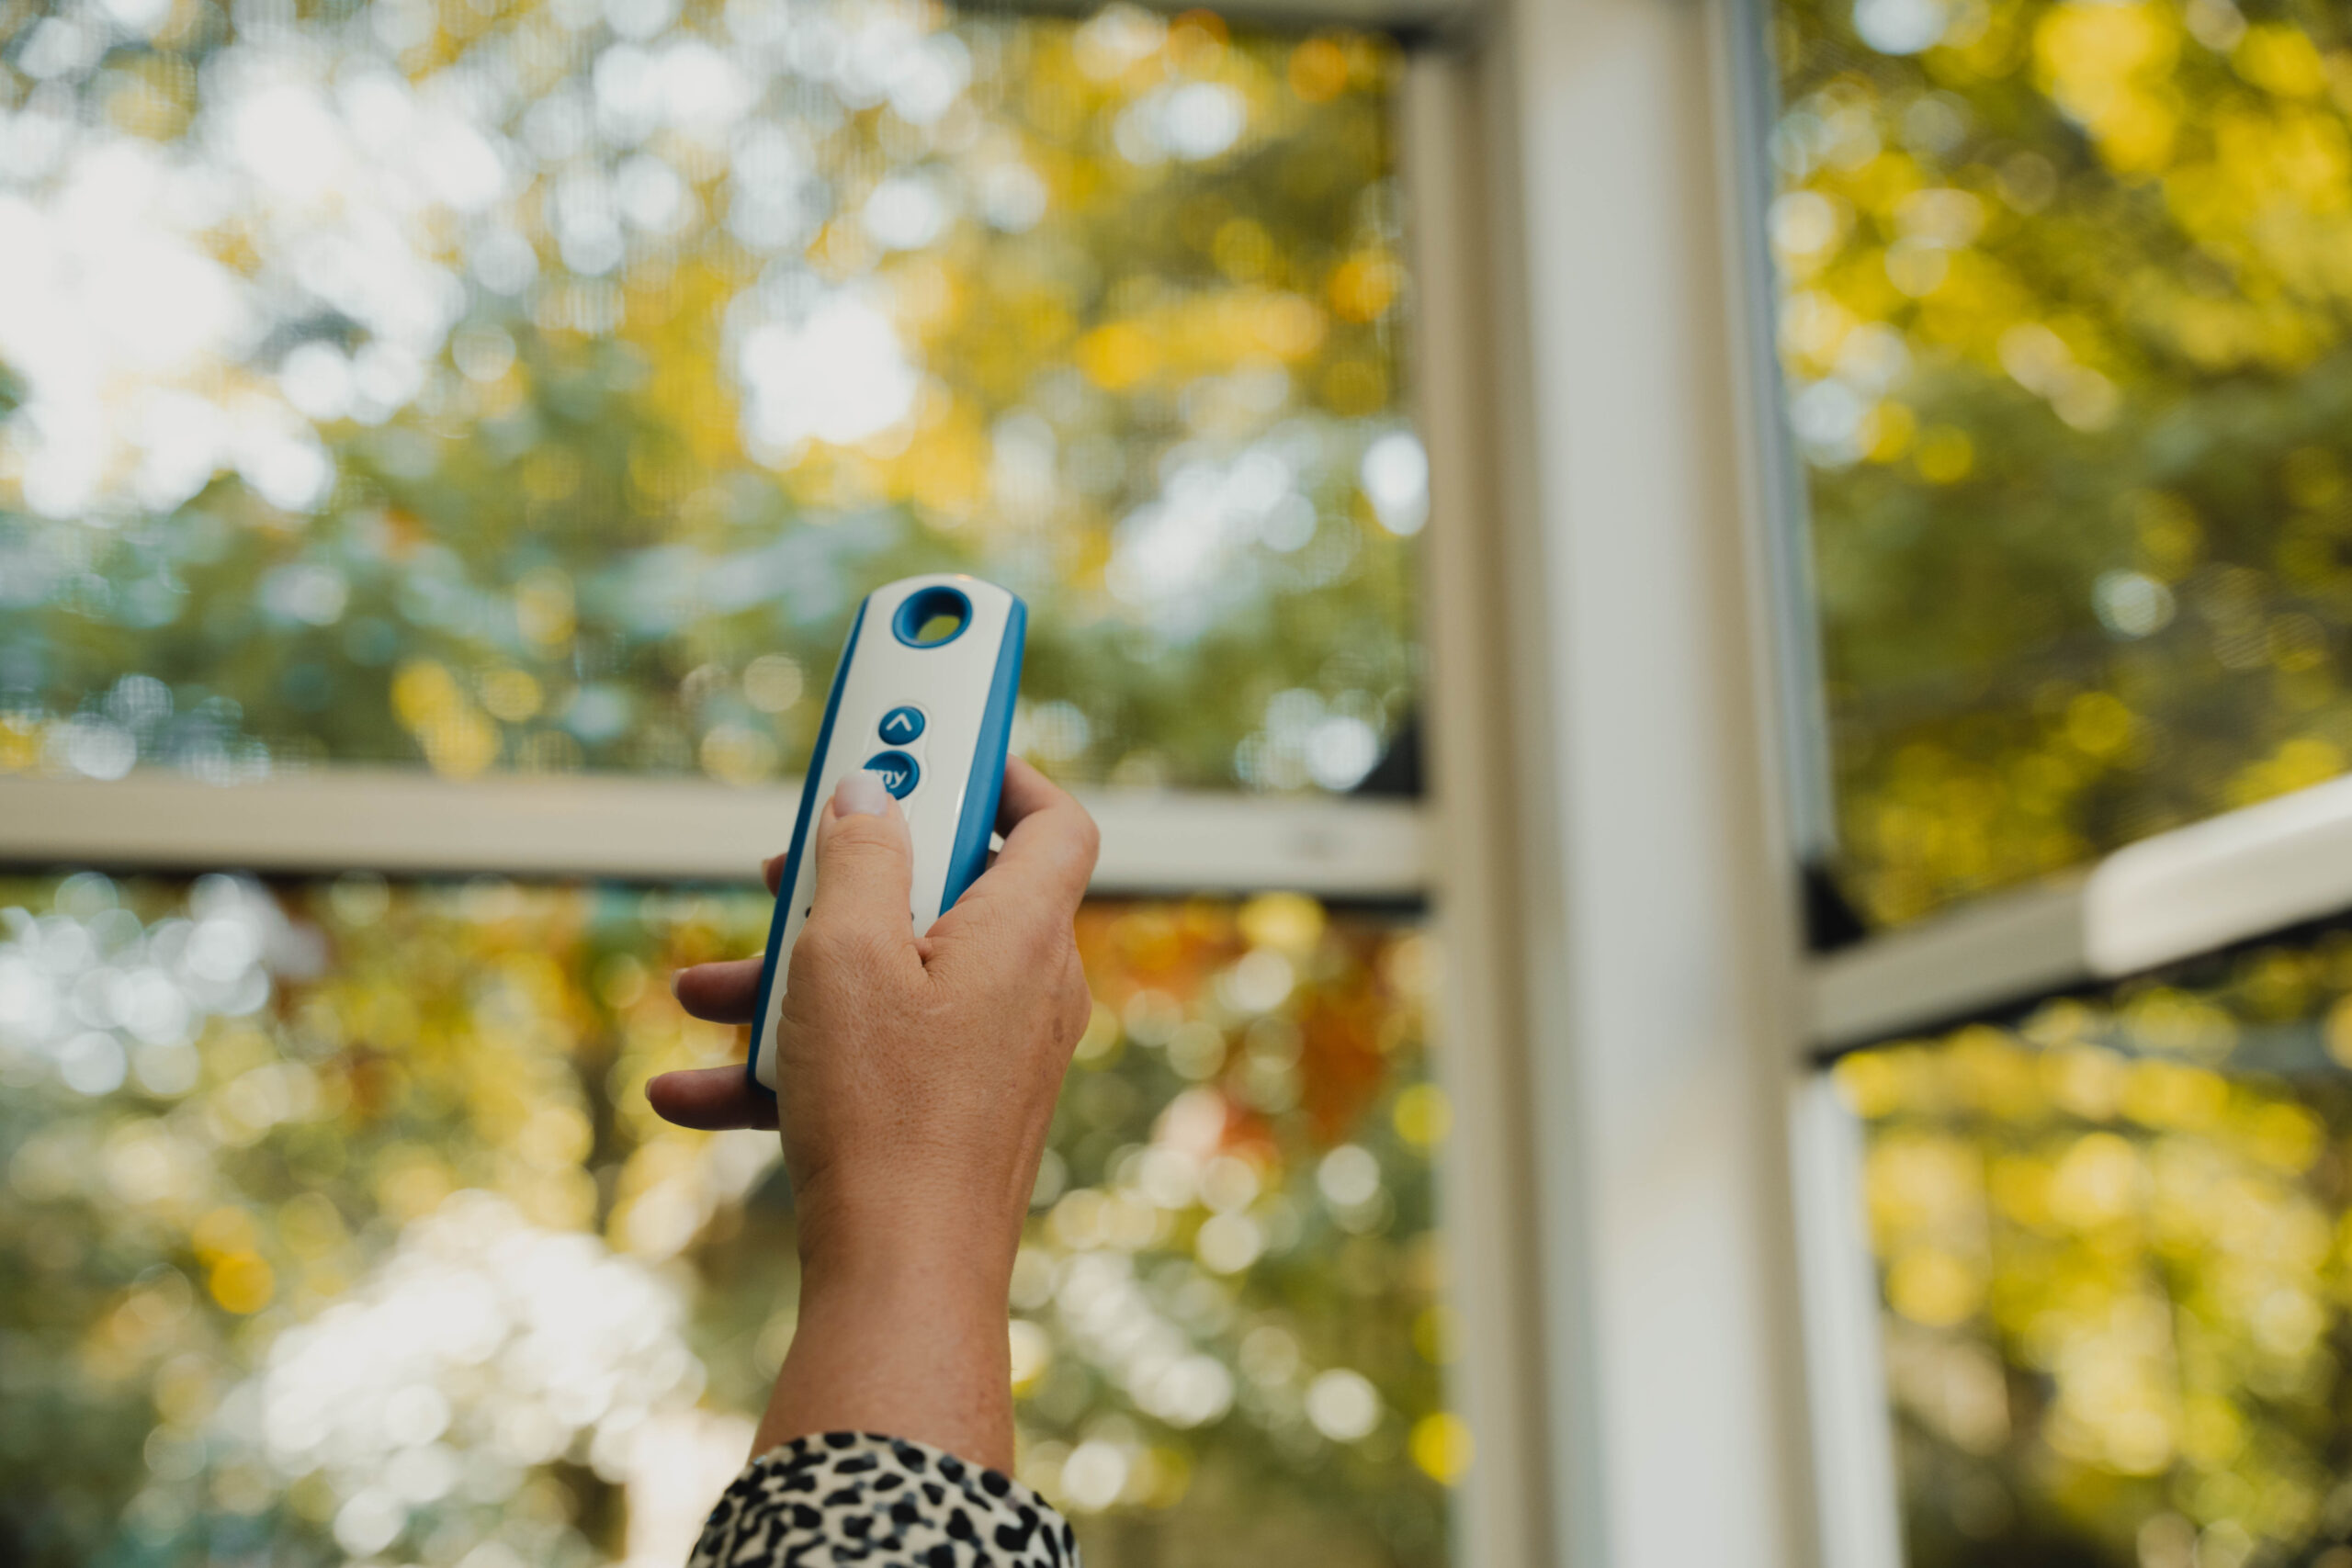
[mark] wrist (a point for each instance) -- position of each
(882, 1237)
(908, 1340)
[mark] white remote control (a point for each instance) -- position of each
(922, 696)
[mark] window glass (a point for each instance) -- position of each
(336, 1226)
(536, 386)
(2065, 336)
(2115, 1238)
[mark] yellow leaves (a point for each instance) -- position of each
(1436, 1334)
(2170, 1095)
(2280, 58)
(226, 1243)
(1945, 455)
(2297, 764)
(2286, 1137)
(459, 741)
(20, 743)
(1891, 428)
(1423, 1116)
(1118, 357)
(555, 1137)
(1364, 286)
(738, 754)
(1873, 1082)
(1933, 1287)
(411, 1182)
(1288, 922)
(1813, 326)
(2338, 1032)
(947, 472)
(1203, 334)
(223, 1232)
(510, 693)
(2177, 1023)
(1442, 1447)
(1032, 1353)
(2211, 1431)
(1318, 70)
(1919, 1180)
(2098, 722)
(2107, 65)
(242, 1283)
(2100, 1180)
(1806, 225)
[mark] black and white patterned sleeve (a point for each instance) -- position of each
(857, 1497)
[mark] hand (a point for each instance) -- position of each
(916, 1075)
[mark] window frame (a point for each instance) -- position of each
(1617, 887)
(412, 822)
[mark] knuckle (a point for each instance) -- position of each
(819, 944)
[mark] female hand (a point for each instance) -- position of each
(917, 1077)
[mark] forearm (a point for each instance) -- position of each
(908, 1340)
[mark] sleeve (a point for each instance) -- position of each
(855, 1497)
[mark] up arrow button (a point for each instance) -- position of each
(901, 725)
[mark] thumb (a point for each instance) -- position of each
(864, 864)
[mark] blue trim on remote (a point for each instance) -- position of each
(925, 602)
(984, 790)
(792, 856)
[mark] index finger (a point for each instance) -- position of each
(1050, 842)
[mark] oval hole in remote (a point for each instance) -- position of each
(932, 617)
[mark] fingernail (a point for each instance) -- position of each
(675, 976)
(861, 794)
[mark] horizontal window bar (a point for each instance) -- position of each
(2223, 881)
(643, 829)
(1408, 18)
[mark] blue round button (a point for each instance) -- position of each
(899, 772)
(902, 725)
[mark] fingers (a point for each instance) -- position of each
(710, 1099)
(1050, 843)
(772, 873)
(864, 866)
(723, 993)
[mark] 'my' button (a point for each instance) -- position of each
(897, 771)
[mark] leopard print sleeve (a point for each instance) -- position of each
(857, 1497)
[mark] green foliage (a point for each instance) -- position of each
(2073, 391)
(2114, 1254)
(518, 452)
(312, 1188)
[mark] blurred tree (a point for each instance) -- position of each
(2114, 1245)
(2068, 360)
(538, 387)
(312, 1190)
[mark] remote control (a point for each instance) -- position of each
(922, 696)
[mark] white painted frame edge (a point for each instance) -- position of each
(2229, 879)
(411, 822)
(1616, 872)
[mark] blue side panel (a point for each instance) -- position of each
(969, 854)
(792, 857)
